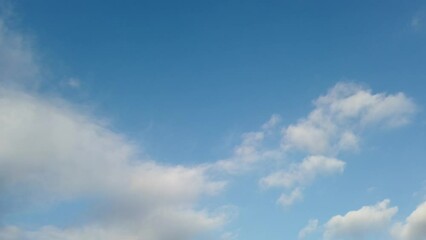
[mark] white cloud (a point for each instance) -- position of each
(48, 151)
(333, 126)
(339, 115)
(52, 152)
(304, 172)
(414, 227)
(368, 221)
(289, 199)
(311, 227)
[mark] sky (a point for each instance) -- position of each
(212, 120)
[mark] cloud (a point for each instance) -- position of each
(414, 227)
(289, 199)
(73, 82)
(252, 149)
(18, 62)
(309, 228)
(51, 152)
(300, 175)
(304, 172)
(229, 236)
(173, 231)
(339, 115)
(333, 126)
(368, 221)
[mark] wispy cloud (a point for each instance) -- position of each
(19, 66)
(73, 82)
(311, 227)
(332, 127)
(252, 150)
(300, 175)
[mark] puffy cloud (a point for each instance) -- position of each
(414, 227)
(372, 222)
(309, 228)
(333, 126)
(368, 221)
(347, 108)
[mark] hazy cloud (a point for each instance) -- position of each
(309, 228)
(18, 62)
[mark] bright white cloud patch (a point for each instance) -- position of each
(339, 115)
(414, 227)
(50, 152)
(368, 221)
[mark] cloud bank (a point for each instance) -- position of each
(51, 152)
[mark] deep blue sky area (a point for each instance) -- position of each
(177, 63)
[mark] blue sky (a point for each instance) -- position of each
(217, 119)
